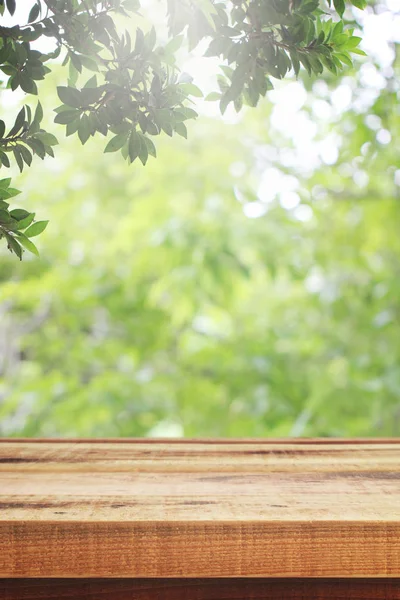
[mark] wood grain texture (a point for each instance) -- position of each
(200, 589)
(193, 508)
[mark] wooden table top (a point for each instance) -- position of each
(200, 508)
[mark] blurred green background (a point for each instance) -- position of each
(244, 283)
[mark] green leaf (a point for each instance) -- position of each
(133, 148)
(18, 158)
(47, 138)
(38, 113)
(226, 99)
(339, 6)
(89, 63)
(11, 192)
(37, 146)
(70, 96)
(24, 223)
(295, 61)
(91, 83)
(344, 58)
(9, 70)
(361, 4)
(352, 42)
(306, 63)
(143, 152)
(150, 146)
(12, 225)
(191, 89)
(117, 142)
(4, 159)
(11, 6)
(76, 62)
(213, 96)
(34, 12)
(218, 46)
(27, 243)
(66, 116)
(19, 121)
(26, 154)
(251, 95)
(27, 84)
(337, 29)
(5, 217)
(2, 128)
(36, 229)
(188, 113)
(163, 120)
(315, 63)
(91, 95)
(28, 114)
(5, 183)
(358, 51)
(84, 129)
(72, 127)
(181, 129)
(14, 246)
(19, 214)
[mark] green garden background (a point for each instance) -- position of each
(244, 283)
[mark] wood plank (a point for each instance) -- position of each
(200, 589)
(200, 508)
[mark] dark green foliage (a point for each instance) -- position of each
(17, 225)
(137, 91)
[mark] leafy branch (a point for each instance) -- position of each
(17, 226)
(135, 91)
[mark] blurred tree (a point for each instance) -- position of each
(159, 306)
(137, 92)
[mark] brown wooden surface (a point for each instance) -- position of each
(213, 508)
(199, 589)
